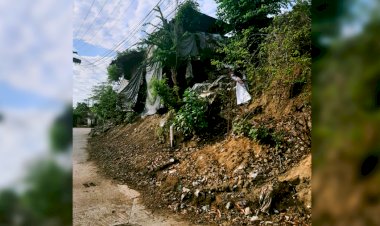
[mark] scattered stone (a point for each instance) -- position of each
(253, 175)
(241, 204)
(206, 208)
(196, 193)
(265, 199)
(254, 218)
(247, 211)
(183, 196)
(228, 205)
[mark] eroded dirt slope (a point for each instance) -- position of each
(232, 180)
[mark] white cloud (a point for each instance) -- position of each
(86, 77)
(34, 57)
(120, 19)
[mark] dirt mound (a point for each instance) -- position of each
(258, 175)
(231, 181)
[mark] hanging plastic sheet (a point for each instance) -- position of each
(153, 71)
(242, 95)
(131, 91)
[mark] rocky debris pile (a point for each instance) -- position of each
(235, 181)
(100, 129)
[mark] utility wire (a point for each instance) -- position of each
(100, 60)
(104, 23)
(135, 29)
(93, 21)
(88, 12)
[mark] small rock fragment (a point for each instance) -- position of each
(254, 218)
(196, 193)
(206, 208)
(247, 211)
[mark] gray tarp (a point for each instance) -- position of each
(152, 104)
(132, 89)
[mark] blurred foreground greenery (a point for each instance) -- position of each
(346, 113)
(46, 194)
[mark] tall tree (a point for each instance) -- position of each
(106, 103)
(245, 14)
(168, 37)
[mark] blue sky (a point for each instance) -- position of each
(89, 49)
(14, 98)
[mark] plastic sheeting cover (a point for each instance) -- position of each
(152, 104)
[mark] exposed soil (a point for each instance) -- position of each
(225, 179)
(101, 201)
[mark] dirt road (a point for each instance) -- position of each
(100, 201)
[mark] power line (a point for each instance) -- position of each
(93, 21)
(135, 29)
(88, 12)
(100, 28)
(100, 60)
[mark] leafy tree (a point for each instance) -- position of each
(8, 206)
(245, 14)
(80, 113)
(286, 51)
(107, 104)
(246, 19)
(114, 72)
(61, 131)
(125, 64)
(168, 37)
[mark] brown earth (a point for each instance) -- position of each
(101, 201)
(224, 179)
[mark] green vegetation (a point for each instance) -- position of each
(107, 106)
(191, 117)
(61, 132)
(279, 50)
(114, 72)
(259, 133)
(125, 64)
(80, 114)
(265, 45)
(167, 94)
(169, 37)
(46, 197)
(286, 51)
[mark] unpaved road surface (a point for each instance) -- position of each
(100, 201)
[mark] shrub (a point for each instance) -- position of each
(191, 117)
(260, 134)
(161, 88)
